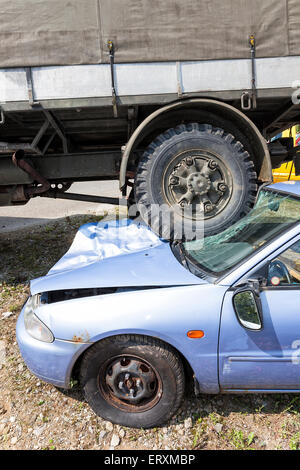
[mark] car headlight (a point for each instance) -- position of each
(34, 326)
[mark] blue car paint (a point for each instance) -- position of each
(167, 313)
(292, 187)
(50, 362)
(262, 359)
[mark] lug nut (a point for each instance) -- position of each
(174, 181)
(208, 207)
(189, 161)
(222, 187)
(213, 165)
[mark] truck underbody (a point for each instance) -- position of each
(81, 123)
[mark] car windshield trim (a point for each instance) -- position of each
(281, 192)
(219, 279)
(217, 275)
(188, 263)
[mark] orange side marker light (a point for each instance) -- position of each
(196, 334)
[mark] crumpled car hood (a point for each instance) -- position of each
(115, 254)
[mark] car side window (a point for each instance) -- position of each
(284, 270)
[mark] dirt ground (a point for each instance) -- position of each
(34, 415)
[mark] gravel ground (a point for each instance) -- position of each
(34, 415)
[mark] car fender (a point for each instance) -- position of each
(166, 313)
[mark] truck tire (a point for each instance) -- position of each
(134, 381)
(200, 177)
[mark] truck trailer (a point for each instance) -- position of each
(179, 101)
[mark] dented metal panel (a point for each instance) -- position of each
(115, 254)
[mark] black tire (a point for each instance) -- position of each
(103, 379)
(199, 145)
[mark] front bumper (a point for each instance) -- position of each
(50, 362)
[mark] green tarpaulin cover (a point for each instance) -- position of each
(69, 32)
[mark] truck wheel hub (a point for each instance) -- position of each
(199, 182)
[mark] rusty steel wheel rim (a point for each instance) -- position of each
(130, 384)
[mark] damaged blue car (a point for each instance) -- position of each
(134, 318)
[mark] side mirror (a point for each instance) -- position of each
(247, 306)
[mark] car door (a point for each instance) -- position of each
(263, 353)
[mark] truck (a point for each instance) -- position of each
(179, 101)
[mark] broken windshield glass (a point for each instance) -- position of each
(273, 214)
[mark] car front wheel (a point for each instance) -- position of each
(133, 381)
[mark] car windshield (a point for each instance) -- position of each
(273, 214)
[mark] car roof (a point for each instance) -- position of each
(291, 187)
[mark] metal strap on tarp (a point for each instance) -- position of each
(249, 99)
(111, 49)
(252, 42)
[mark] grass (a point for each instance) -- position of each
(240, 441)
